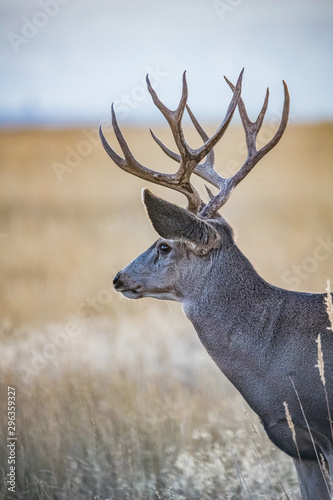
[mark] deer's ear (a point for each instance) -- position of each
(173, 222)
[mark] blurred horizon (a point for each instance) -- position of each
(63, 62)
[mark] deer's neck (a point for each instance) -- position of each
(228, 292)
(235, 314)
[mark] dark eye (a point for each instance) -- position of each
(164, 248)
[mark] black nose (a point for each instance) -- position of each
(116, 280)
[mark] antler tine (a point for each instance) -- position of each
(251, 128)
(209, 162)
(168, 113)
(206, 148)
(173, 117)
(283, 123)
(205, 170)
(166, 150)
(210, 157)
(129, 164)
(189, 158)
(132, 166)
(199, 169)
(251, 131)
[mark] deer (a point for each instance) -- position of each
(262, 337)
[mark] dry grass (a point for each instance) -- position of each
(128, 412)
(118, 399)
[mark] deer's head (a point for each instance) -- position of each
(190, 238)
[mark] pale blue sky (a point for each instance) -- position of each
(65, 61)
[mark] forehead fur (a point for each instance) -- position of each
(224, 234)
(176, 223)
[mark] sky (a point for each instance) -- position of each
(63, 62)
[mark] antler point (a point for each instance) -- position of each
(148, 82)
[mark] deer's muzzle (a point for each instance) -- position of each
(126, 285)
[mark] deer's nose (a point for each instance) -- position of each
(117, 280)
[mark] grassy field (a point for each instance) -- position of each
(117, 399)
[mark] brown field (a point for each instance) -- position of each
(118, 399)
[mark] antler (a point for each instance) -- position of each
(251, 129)
(188, 158)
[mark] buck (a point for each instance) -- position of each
(263, 338)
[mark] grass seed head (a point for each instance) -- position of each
(290, 422)
(329, 305)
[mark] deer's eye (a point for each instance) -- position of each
(164, 248)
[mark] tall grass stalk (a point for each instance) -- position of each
(264, 446)
(329, 305)
(242, 480)
(320, 360)
(310, 433)
(321, 367)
